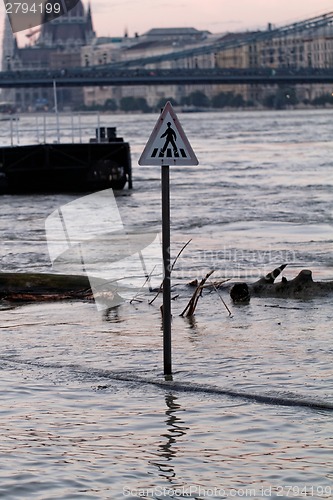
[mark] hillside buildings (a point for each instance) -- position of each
(308, 44)
(70, 41)
(156, 43)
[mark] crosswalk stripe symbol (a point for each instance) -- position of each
(168, 144)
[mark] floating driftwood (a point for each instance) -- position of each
(301, 287)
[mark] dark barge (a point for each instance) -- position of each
(100, 163)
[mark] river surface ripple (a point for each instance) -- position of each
(85, 410)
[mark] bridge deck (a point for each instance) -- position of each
(104, 76)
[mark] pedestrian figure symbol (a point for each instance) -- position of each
(170, 138)
(168, 144)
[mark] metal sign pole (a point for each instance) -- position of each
(167, 270)
(167, 142)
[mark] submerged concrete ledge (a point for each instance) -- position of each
(21, 287)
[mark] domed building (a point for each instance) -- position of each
(68, 31)
(56, 44)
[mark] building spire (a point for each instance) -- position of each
(9, 50)
(9, 44)
(89, 21)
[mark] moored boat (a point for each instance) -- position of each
(101, 162)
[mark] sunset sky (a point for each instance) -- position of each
(113, 17)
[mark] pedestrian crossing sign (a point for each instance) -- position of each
(168, 144)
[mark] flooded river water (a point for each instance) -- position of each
(86, 412)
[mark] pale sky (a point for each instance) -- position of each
(113, 17)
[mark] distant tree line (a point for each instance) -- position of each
(285, 97)
(280, 99)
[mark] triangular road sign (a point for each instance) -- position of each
(168, 144)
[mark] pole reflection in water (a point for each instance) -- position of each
(112, 315)
(167, 450)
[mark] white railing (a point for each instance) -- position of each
(49, 128)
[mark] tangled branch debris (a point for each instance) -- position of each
(172, 268)
(221, 298)
(190, 308)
